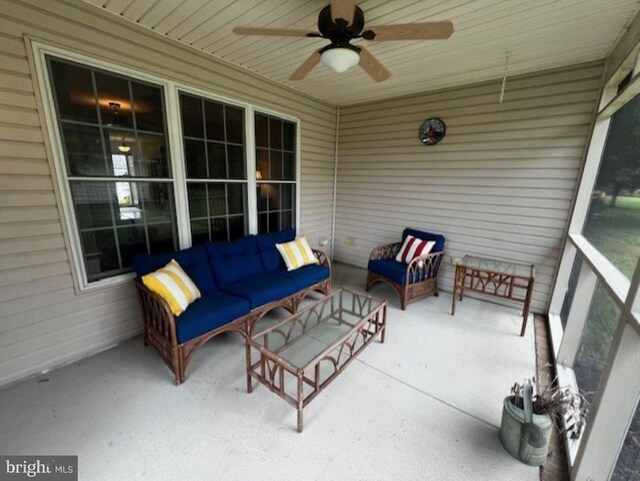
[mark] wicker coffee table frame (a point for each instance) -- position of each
(273, 371)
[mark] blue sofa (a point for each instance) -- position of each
(240, 281)
(412, 281)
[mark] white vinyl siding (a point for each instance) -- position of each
(500, 183)
(43, 321)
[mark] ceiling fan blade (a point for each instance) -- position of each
(410, 31)
(306, 67)
(371, 65)
(278, 32)
(344, 9)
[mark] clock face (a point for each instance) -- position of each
(432, 131)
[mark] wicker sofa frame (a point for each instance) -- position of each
(160, 324)
(424, 267)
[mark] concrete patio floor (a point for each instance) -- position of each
(425, 405)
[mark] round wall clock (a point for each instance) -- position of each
(432, 131)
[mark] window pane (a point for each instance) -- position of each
(275, 162)
(262, 190)
(74, 94)
(288, 136)
(217, 200)
(100, 253)
(219, 229)
(114, 100)
(192, 121)
(289, 166)
(235, 124)
(263, 225)
(199, 231)
(286, 220)
(152, 159)
(93, 204)
(274, 221)
(195, 159)
(237, 227)
(132, 241)
(83, 145)
(217, 161)
(214, 114)
(197, 194)
(597, 336)
(628, 465)
(236, 198)
(286, 196)
(262, 131)
(262, 164)
(147, 104)
(162, 238)
(613, 221)
(128, 207)
(237, 162)
(158, 201)
(275, 134)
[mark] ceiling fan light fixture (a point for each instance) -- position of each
(340, 59)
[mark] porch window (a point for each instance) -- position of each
(275, 173)
(117, 165)
(216, 168)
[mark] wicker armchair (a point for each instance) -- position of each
(413, 281)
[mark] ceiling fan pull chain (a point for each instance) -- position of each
(504, 76)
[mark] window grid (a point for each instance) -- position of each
(264, 182)
(210, 180)
(110, 181)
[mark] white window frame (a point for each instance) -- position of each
(595, 455)
(171, 90)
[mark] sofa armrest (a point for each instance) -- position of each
(386, 251)
(424, 267)
(322, 257)
(156, 314)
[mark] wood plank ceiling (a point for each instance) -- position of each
(540, 34)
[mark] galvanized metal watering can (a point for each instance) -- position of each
(523, 434)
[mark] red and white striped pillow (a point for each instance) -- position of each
(412, 248)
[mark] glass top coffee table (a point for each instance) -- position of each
(299, 356)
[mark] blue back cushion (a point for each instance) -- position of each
(234, 261)
(271, 258)
(428, 236)
(192, 260)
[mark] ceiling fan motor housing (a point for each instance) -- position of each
(340, 30)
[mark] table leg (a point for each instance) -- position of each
(455, 291)
(384, 324)
(525, 312)
(300, 404)
(248, 360)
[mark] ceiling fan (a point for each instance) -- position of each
(340, 23)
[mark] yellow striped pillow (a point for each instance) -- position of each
(297, 254)
(174, 286)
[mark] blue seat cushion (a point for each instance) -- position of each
(234, 261)
(193, 261)
(306, 276)
(209, 312)
(428, 236)
(396, 271)
(271, 258)
(262, 288)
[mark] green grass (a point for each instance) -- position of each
(616, 233)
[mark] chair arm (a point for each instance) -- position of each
(322, 257)
(424, 267)
(156, 313)
(386, 251)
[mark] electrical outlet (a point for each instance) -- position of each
(324, 241)
(351, 241)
